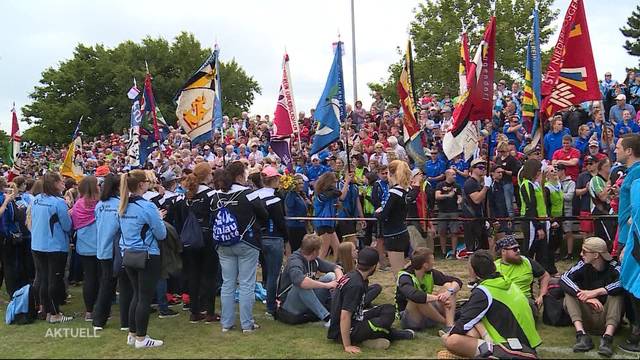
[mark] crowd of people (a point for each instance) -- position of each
(196, 221)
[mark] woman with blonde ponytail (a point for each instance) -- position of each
(394, 214)
(201, 263)
(142, 227)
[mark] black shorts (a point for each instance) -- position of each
(346, 228)
(321, 230)
(398, 243)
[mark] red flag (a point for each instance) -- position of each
(284, 119)
(477, 101)
(571, 75)
(150, 105)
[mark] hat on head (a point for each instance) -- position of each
(102, 171)
(621, 97)
(368, 257)
(478, 161)
(589, 159)
(207, 147)
(596, 244)
(594, 142)
(506, 242)
(270, 171)
(415, 172)
(315, 157)
(168, 176)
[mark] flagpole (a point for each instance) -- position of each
(353, 55)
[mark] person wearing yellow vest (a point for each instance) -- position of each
(496, 320)
(535, 231)
(418, 305)
(554, 200)
(521, 270)
(594, 296)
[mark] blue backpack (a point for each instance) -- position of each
(225, 225)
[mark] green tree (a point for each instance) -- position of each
(435, 32)
(632, 31)
(94, 83)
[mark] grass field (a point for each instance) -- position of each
(272, 340)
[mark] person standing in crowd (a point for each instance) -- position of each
(418, 306)
(475, 192)
(350, 323)
(600, 191)
(522, 271)
(201, 261)
(628, 153)
(84, 223)
(448, 197)
(350, 208)
(510, 167)
(296, 204)
(554, 202)
(434, 169)
(394, 213)
(568, 191)
(583, 200)
(273, 235)
(142, 227)
(496, 316)
(569, 157)
(108, 235)
(50, 225)
(616, 113)
(627, 124)
(498, 204)
(238, 251)
(14, 255)
(553, 140)
(594, 298)
(325, 202)
(417, 205)
(536, 232)
(379, 197)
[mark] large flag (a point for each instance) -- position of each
(410, 124)
(196, 102)
(14, 143)
(284, 120)
(133, 146)
(532, 84)
(217, 107)
(153, 128)
(465, 63)
(571, 75)
(477, 101)
(331, 108)
(72, 165)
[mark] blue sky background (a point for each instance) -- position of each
(36, 34)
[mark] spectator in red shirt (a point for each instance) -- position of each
(567, 156)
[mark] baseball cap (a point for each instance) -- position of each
(593, 143)
(596, 244)
(415, 172)
(368, 257)
(478, 161)
(589, 159)
(315, 157)
(168, 176)
(506, 242)
(621, 97)
(270, 171)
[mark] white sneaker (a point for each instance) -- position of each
(327, 324)
(131, 340)
(148, 342)
(124, 329)
(98, 328)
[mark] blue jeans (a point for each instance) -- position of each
(508, 190)
(161, 295)
(300, 301)
(238, 264)
(273, 250)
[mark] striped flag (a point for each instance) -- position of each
(532, 84)
(465, 63)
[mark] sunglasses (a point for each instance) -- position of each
(481, 167)
(514, 249)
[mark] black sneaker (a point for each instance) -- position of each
(167, 314)
(583, 343)
(186, 307)
(606, 346)
(404, 334)
(568, 257)
(630, 346)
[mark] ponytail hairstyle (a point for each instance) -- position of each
(200, 173)
(129, 182)
(110, 187)
(400, 171)
(88, 189)
(233, 170)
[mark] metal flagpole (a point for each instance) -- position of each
(353, 55)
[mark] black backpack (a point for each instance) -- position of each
(553, 313)
(191, 233)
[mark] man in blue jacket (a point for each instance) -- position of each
(553, 139)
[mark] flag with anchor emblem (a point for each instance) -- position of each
(196, 101)
(331, 108)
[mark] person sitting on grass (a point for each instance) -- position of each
(418, 306)
(594, 299)
(347, 259)
(300, 290)
(521, 270)
(496, 320)
(350, 323)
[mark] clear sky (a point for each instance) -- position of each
(36, 34)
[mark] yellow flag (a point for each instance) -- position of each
(72, 165)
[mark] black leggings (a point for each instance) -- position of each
(14, 269)
(144, 284)
(124, 297)
(90, 282)
(50, 268)
(106, 290)
(538, 249)
(376, 324)
(202, 268)
(295, 237)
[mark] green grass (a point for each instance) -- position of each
(272, 340)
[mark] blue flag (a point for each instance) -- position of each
(533, 83)
(217, 110)
(331, 108)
